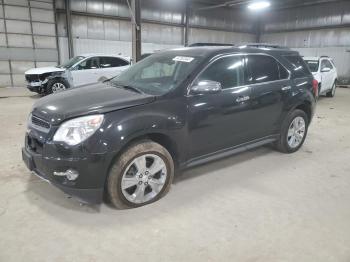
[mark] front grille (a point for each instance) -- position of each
(32, 78)
(36, 121)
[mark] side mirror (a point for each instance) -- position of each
(325, 69)
(206, 87)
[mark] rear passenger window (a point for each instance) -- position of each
(229, 71)
(106, 62)
(299, 66)
(263, 69)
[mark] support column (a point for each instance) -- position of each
(136, 30)
(258, 28)
(69, 29)
(187, 22)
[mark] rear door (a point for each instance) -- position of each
(271, 87)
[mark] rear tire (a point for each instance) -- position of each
(331, 93)
(131, 184)
(295, 126)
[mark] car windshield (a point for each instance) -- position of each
(158, 73)
(313, 65)
(71, 62)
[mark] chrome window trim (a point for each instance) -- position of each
(216, 58)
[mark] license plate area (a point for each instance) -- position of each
(34, 84)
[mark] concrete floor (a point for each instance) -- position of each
(257, 206)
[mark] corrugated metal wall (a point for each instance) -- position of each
(104, 26)
(315, 30)
(27, 38)
(28, 35)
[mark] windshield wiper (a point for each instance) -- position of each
(132, 88)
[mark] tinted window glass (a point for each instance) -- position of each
(229, 71)
(313, 65)
(300, 69)
(107, 62)
(90, 63)
(284, 74)
(262, 69)
(326, 63)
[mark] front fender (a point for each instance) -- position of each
(123, 126)
(64, 76)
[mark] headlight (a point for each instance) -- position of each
(78, 129)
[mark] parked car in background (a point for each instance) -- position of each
(179, 108)
(325, 72)
(78, 71)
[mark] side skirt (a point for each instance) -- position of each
(229, 151)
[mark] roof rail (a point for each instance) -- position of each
(265, 45)
(324, 56)
(209, 44)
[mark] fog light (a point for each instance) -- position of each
(70, 174)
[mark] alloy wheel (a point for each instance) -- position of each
(296, 132)
(58, 87)
(144, 178)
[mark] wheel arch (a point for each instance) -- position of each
(157, 137)
(306, 107)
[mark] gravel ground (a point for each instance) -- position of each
(257, 206)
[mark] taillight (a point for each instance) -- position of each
(315, 86)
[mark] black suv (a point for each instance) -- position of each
(125, 138)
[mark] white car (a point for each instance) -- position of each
(80, 70)
(325, 73)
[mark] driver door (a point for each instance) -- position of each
(86, 72)
(223, 119)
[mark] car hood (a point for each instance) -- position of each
(42, 70)
(97, 98)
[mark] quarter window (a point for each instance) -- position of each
(263, 69)
(229, 71)
(299, 67)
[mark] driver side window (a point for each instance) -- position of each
(228, 71)
(90, 63)
(325, 64)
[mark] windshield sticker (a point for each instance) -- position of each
(185, 59)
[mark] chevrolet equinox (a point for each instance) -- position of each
(124, 138)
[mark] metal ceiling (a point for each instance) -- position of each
(275, 4)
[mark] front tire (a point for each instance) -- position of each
(293, 132)
(55, 86)
(142, 174)
(331, 93)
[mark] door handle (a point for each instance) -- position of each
(285, 88)
(242, 99)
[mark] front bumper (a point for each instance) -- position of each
(36, 86)
(92, 169)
